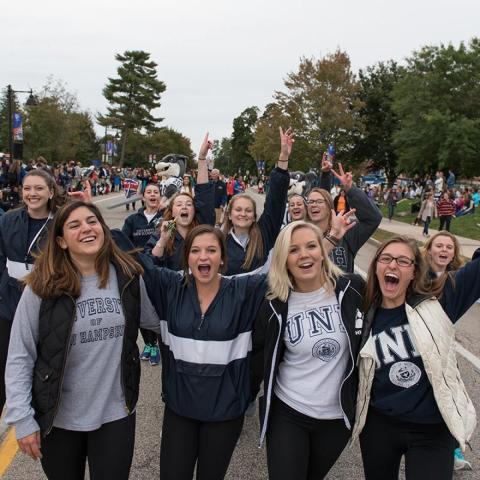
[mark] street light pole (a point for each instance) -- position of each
(31, 101)
(10, 125)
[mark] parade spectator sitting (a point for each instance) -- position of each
(476, 198)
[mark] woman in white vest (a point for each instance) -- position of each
(411, 399)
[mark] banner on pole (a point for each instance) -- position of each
(17, 127)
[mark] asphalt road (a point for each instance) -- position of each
(249, 461)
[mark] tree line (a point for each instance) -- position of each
(415, 118)
(59, 130)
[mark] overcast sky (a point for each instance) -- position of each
(216, 57)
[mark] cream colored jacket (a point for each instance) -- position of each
(434, 337)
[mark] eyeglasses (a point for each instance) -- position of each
(401, 261)
(316, 202)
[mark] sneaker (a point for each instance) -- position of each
(459, 461)
(154, 355)
(250, 412)
(146, 352)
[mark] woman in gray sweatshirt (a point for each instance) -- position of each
(73, 368)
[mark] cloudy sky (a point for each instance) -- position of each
(216, 57)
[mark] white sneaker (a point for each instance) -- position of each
(459, 461)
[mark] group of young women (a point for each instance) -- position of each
(339, 357)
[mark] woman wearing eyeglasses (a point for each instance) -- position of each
(411, 400)
(320, 205)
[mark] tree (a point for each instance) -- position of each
(380, 121)
(160, 143)
(222, 153)
(437, 102)
(57, 129)
(265, 144)
(242, 138)
(133, 96)
(323, 106)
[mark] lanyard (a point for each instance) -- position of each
(50, 216)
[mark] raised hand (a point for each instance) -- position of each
(205, 147)
(286, 143)
(341, 223)
(85, 195)
(346, 178)
(326, 164)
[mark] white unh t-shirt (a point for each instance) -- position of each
(316, 355)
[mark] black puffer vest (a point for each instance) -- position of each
(56, 321)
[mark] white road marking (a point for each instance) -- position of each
(108, 198)
(474, 360)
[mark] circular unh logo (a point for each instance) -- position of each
(326, 349)
(405, 374)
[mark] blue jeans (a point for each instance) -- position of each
(391, 210)
(427, 224)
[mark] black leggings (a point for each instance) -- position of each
(109, 451)
(186, 442)
(428, 449)
(149, 337)
(300, 447)
(5, 329)
(445, 222)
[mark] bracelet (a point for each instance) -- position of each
(204, 158)
(281, 160)
(334, 241)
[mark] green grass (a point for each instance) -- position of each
(465, 226)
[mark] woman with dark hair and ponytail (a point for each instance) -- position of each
(249, 240)
(411, 399)
(21, 232)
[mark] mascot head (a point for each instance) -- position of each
(172, 165)
(297, 181)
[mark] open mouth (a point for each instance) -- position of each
(88, 239)
(204, 270)
(391, 281)
(306, 266)
(443, 257)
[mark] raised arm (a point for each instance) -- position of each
(463, 291)
(202, 176)
(271, 219)
(204, 191)
(367, 213)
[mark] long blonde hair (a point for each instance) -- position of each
(280, 281)
(255, 242)
(457, 260)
